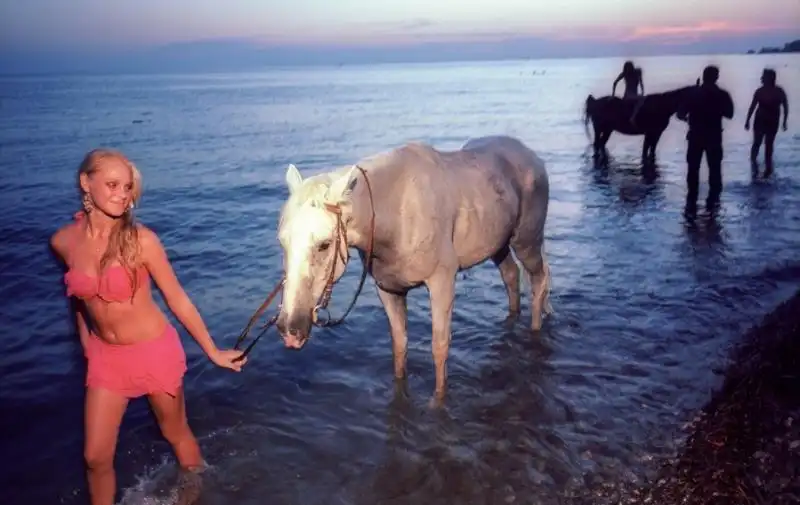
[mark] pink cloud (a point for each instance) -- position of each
(426, 31)
(695, 31)
(663, 33)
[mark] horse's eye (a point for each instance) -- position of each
(325, 245)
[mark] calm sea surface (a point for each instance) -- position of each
(645, 305)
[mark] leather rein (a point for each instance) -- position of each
(340, 254)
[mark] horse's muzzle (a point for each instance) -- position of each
(294, 341)
(295, 332)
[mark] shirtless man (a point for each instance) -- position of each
(767, 102)
(633, 81)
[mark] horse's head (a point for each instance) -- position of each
(313, 235)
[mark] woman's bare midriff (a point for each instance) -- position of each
(127, 322)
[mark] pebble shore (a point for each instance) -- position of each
(743, 447)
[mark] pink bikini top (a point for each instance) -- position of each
(113, 285)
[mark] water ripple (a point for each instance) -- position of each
(646, 304)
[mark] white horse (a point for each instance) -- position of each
(435, 213)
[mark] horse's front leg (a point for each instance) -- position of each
(441, 287)
(649, 148)
(397, 313)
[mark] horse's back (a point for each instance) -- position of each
(473, 198)
(529, 169)
(506, 146)
(502, 163)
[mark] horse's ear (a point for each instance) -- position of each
(293, 178)
(343, 185)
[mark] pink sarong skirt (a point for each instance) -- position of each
(153, 366)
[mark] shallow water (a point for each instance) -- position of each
(645, 304)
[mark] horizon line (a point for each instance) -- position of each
(466, 59)
(344, 38)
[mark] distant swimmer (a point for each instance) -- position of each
(767, 102)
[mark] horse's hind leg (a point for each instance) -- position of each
(509, 271)
(597, 145)
(600, 150)
(441, 288)
(535, 262)
(606, 137)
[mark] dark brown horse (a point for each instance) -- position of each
(610, 113)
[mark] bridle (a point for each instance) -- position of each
(340, 254)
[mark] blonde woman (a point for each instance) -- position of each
(131, 348)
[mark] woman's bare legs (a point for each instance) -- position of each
(102, 416)
(171, 414)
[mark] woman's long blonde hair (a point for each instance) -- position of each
(123, 242)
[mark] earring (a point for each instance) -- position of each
(87, 203)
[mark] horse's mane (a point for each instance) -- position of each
(312, 192)
(674, 91)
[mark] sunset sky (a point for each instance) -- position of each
(78, 28)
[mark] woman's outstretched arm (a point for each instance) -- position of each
(157, 263)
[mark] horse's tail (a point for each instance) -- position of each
(587, 112)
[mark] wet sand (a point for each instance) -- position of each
(743, 447)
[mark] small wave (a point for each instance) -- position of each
(144, 492)
(164, 484)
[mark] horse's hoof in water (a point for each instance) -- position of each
(510, 319)
(536, 323)
(437, 401)
(401, 388)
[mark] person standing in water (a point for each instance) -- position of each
(633, 82)
(766, 103)
(132, 350)
(704, 111)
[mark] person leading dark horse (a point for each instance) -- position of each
(632, 76)
(704, 111)
(766, 103)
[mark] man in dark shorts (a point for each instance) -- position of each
(768, 99)
(705, 109)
